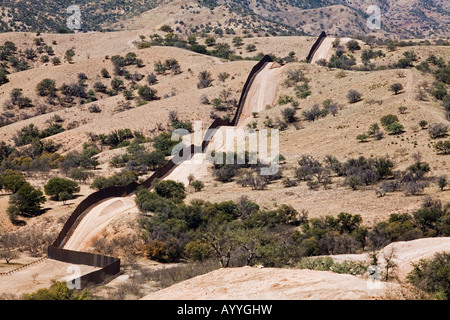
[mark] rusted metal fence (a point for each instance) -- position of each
(109, 265)
(316, 46)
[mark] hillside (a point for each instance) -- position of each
(407, 19)
(363, 143)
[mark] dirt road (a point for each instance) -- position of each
(96, 220)
(262, 92)
(326, 49)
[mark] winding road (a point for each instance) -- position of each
(263, 92)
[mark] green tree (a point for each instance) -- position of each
(395, 128)
(25, 202)
(388, 119)
(13, 182)
(55, 187)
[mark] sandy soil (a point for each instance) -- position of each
(326, 49)
(269, 283)
(96, 219)
(249, 283)
(262, 92)
(405, 253)
(39, 276)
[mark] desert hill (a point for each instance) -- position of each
(158, 35)
(406, 19)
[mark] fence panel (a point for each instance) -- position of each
(316, 46)
(110, 265)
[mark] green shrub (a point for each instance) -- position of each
(432, 275)
(198, 185)
(388, 119)
(25, 202)
(58, 291)
(56, 186)
(170, 189)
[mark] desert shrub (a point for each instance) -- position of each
(56, 61)
(58, 291)
(12, 182)
(353, 45)
(151, 79)
(70, 53)
(388, 119)
(197, 185)
(93, 108)
(442, 147)
(362, 137)
(204, 79)
(289, 115)
(431, 275)
(396, 87)
(395, 128)
(46, 87)
(287, 182)
(437, 130)
(328, 264)
(26, 135)
(100, 87)
(79, 174)
(105, 73)
(164, 143)
(353, 96)
(442, 181)
(147, 93)
(116, 138)
(170, 189)
(204, 99)
(119, 179)
(225, 173)
(313, 114)
(439, 91)
(302, 91)
(84, 160)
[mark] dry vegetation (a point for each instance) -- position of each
(312, 110)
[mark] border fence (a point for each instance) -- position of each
(316, 46)
(110, 266)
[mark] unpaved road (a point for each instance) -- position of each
(326, 49)
(262, 92)
(96, 219)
